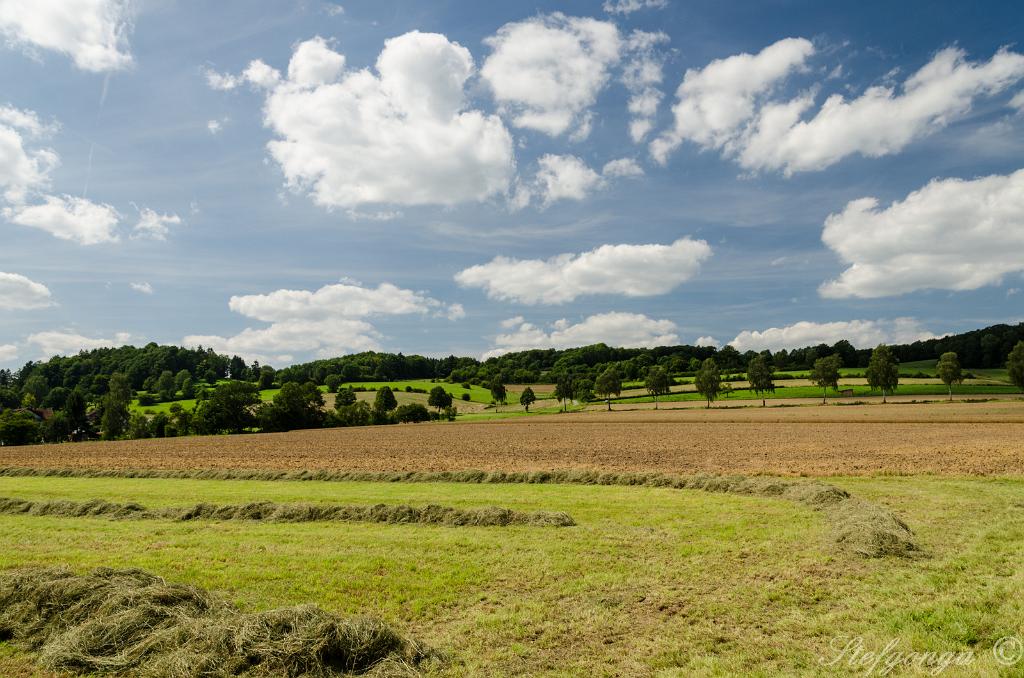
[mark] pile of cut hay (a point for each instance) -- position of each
(266, 511)
(130, 621)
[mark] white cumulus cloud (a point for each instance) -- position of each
(726, 106)
(707, 341)
(952, 234)
(401, 134)
(327, 322)
(628, 270)
(57, 342)
(141, 287)
(92, 32)
(18, 293)
(547, 71)
(23, 169)
(68, 218)
(715, 103)
(641, 75)
(622, 167)
(630, 330)
(8, 353)
(860, 333)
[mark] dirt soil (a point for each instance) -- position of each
(954, 439)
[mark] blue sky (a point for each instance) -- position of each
(453, 177)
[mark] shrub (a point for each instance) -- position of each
(412, 413)
(146, 399)
(465, 396)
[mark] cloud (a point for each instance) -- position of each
(565, 177)
(1018, 101)
(334, 9)
(215, 127)
(142, 287)
(329, 321)
(8, 353)
(627, 270)
(401, 135)
(953, 234)
(724, 107)
(54, 343)
(92, 32)
(716, 102)
(860, 333)
(623, 167)
(547, 71)
(68, 218)
(23, 170)
(641, 75)
(630, 330)
(18, 293)
(630, 6)
(707, 341)
(154, 226)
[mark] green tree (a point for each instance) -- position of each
(708, 380)
(165, 386)
(527, 398)
(412, 413)
(266, 379)
(439, 398)
(657, 383)
(498, 392)
(332, 381)
(608, 384)
(564, 389)
(229, 408)
(385, 401)
(18, 428)
(584, 390)
(180, 378)
(761, 377)
(295, 406)
(826, 374)
(883, 370)
(949, 371)
(75, 411)
(356, 414)
(56, 429)
(345, 397)
(37, 386)
(1015, 365)
(115, 407)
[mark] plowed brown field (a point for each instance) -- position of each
(960, 439)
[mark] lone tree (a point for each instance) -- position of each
(761, 377)
(657, 383)
(345, 397)
(826, 374)
(608, 384)
(527, 398)
(708, 380)
(385, 400)
(883, 370)
(439, 398)
(498, 392)
(564, 389)
(1015, 365)
(949, 371)
(115, 407)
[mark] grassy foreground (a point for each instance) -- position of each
(652, 580)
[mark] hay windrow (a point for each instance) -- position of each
(858, 527)
(130, 621)
(432, 514)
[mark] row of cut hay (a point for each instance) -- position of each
(859, 527)
(265, 511)
(132, 622)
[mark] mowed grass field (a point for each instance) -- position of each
(650, 581)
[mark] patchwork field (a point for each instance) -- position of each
(649, 581)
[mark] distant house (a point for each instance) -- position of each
(40, 414)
